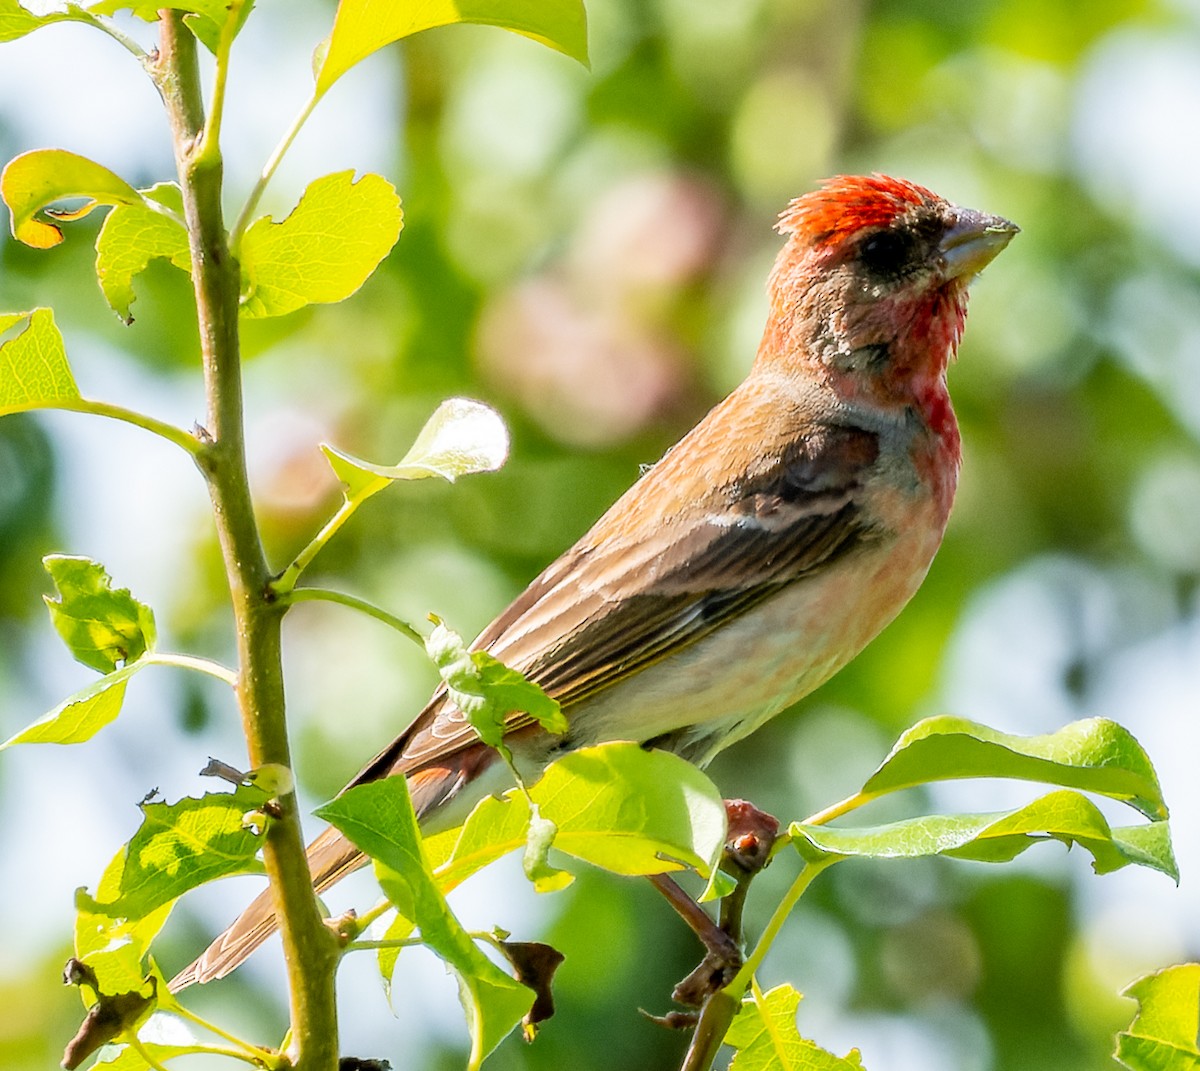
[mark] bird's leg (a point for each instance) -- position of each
(747, 850)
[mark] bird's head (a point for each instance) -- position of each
(873, 279)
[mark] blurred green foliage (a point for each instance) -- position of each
(587, 252)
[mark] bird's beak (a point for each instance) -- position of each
(972, 241)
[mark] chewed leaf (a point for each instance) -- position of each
(16, 21)
(34, 180)
(81, 716)
(362, 27)
(486, 690)
(105, 627)
(461, 437)
(1163, 1034)
(217, 10)
(180, 846)
(996, 838)
(1095, 755)
(131, 237)
(34, 373)
(325, 250)
(766, 1037)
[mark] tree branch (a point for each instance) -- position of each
(309, 948)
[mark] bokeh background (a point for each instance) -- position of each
(587, 252)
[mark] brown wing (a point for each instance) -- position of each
(656, 574)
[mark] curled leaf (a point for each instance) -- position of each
(33, 181)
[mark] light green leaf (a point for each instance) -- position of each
(131, 237)
(82, 715)
(1162, 1036)
(486, 690)
(363, 26)
(616, 806)
(34, 373)
(16, 21)
(217, 10)
(536, 860)
(127, 1058)
(325, 250)
(180, 846)
(461, 437)
(400, 929)
(34, 180)
(378, 817)
(115, 948)
(1095, 755)
(103, 626)
(1065, 816)
(766, 1038)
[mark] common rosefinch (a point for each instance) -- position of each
(764, 550)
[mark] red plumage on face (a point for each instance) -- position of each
(846, 204)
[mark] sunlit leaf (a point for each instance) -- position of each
(765, 1036)
(325, 250)
(1065, 816)
(486, 690)
(461, 437)
(1096, 755)
(378, 817)
(180, 846)
(34, 373)
(131, 237)
(16, 21)
(1163, 1034)
(103, 626)
(363, 26)
(127, 1058)
(217, 10)
(80, 716)
(34, 180)
(115, 948)
(617, 806)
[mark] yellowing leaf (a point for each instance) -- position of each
(35, 180)
(33, 364)
(325, 250)
(363, 26)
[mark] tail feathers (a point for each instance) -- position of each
(330, 858)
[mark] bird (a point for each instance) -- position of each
(763, 551)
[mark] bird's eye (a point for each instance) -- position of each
(888, 253)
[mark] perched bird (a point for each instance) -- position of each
(764, 550)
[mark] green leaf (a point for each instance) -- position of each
(34, 180)
(1095, 755)
(180, 846)
(486, 690)
(16, 21)
(34, 373)
(82, 715)
(115, 948)
(1163, 1034)
(104, 627)
(378, 817)
(217, 10)
(461, 437)
(134, 235)
(127, 1058)
(766, 1038)
(616, 806)
(400, 929)
(325, 250)
(363, 26)
(1065, 815)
